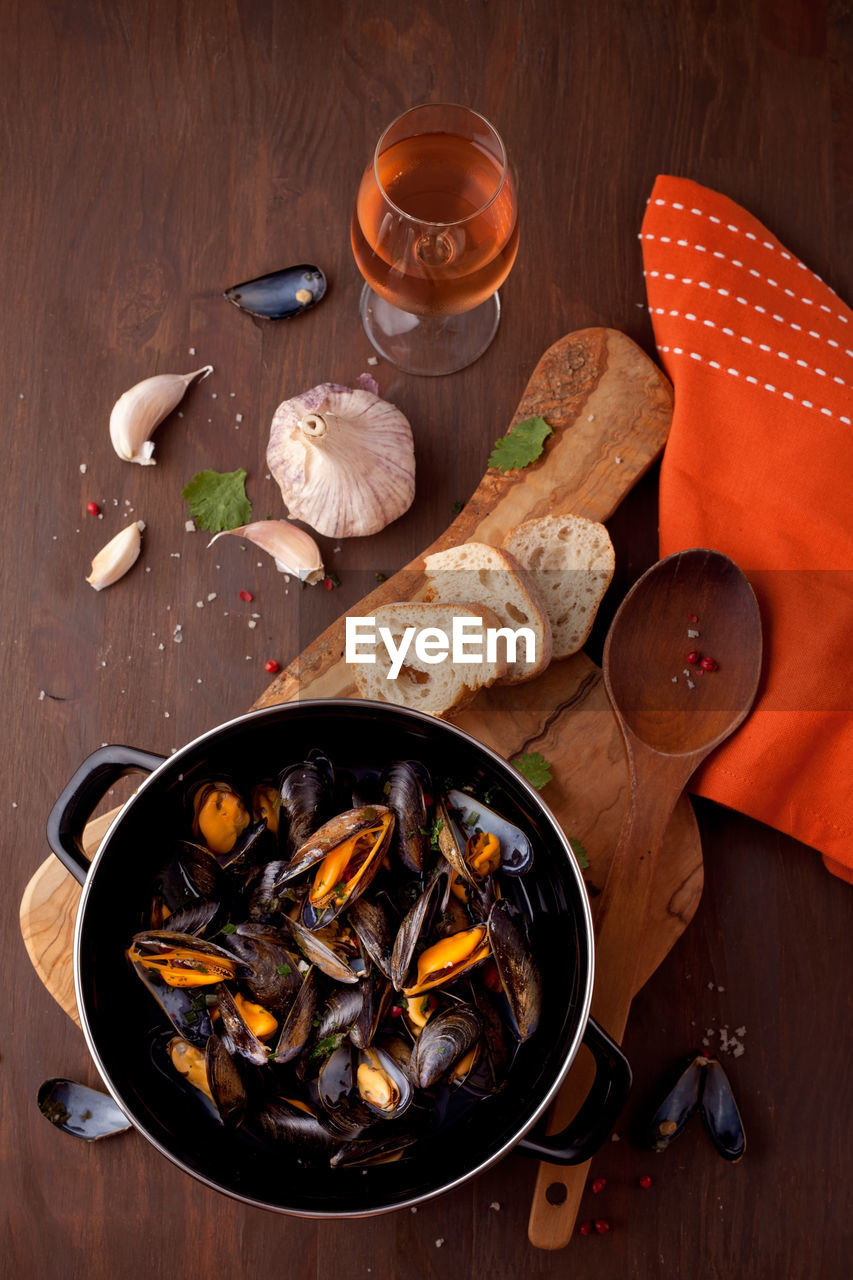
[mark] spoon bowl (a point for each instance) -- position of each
(693, 602)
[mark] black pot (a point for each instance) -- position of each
(119, 1017)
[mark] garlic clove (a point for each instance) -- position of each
(113, 561)
(344, 460)
(294, 551)
(137, 414)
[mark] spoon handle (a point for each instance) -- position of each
(655, 783)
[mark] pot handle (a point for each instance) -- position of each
(74, 808)
(580, 1140)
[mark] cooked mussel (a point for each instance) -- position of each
(516, 850)
(333, 949)
(444, 1041)
(298, 1023)
(372, 925)
(291, 1121)
(306, 793)
(242, 1027)
(279, 295)
(519, 973)
(383, 1085)
(416, 925)
(219, 815)
(213, 1072)
(183, 960)
(275, 978)
(347, 852)
(407, 789)
(450, 957)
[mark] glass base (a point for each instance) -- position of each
(429, 345)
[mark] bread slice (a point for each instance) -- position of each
(571, 562)
(493, 577)
(437, 688)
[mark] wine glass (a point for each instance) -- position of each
(435, 233)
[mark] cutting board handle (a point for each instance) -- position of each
(79, 799)
(586, 1132)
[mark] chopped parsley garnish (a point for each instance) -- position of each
(228, 928)
(283, 970)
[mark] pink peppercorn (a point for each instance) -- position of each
(246, 596)
(602, 1226)
(585, 1229)
(271, 666)
(93, 508)
(708, 664)
(598, 1184)
(645, 1182)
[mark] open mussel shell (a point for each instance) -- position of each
(227, 1090)
(192, 875)
(383, 1085)
(519, 973)
(328, 949)
(720, 1113)
(280, 294)
(347, 852)
(416, 925)
(306, 793)
(445, 1039)
(450, 957)
(297, 1126)
(237, 1036)
(451, 843)
(372, 925)
(275, 977)
(407, 790)
(298, 1024)
(83, 1112)
(679, 1104)
(516, 849)
(184, 960)
(219, 814)
(379, 1146)
(376, 993)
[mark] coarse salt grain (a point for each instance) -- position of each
(83, 468)
(192, 351)
(439, 1242)
(211, 595)
(238, 417)
(495, 1205)
(189, 526)
(691, 634)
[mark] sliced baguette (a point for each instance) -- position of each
(493, 577)
(437, 688)
(571, 562)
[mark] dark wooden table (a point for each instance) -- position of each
(155, 153)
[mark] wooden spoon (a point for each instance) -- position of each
(672, 714)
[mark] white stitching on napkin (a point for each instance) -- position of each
(750, 235)
(768, 386)
(735, 262)
(755, 306)
(730, 333)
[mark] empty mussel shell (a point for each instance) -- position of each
(720, 1113)
(281, 294)
(678, 1105)
(83, 1112)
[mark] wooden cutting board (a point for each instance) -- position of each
(610, 410)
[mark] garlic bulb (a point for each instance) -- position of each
(294, 551)
(113, 561)
(138, 413)
(344, 460)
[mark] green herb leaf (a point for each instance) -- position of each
(520, 446)
(535, 768)
(228, 928)
(283, 970)
(217, 500)
(580, 853)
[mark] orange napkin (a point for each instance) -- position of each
(759, 465)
